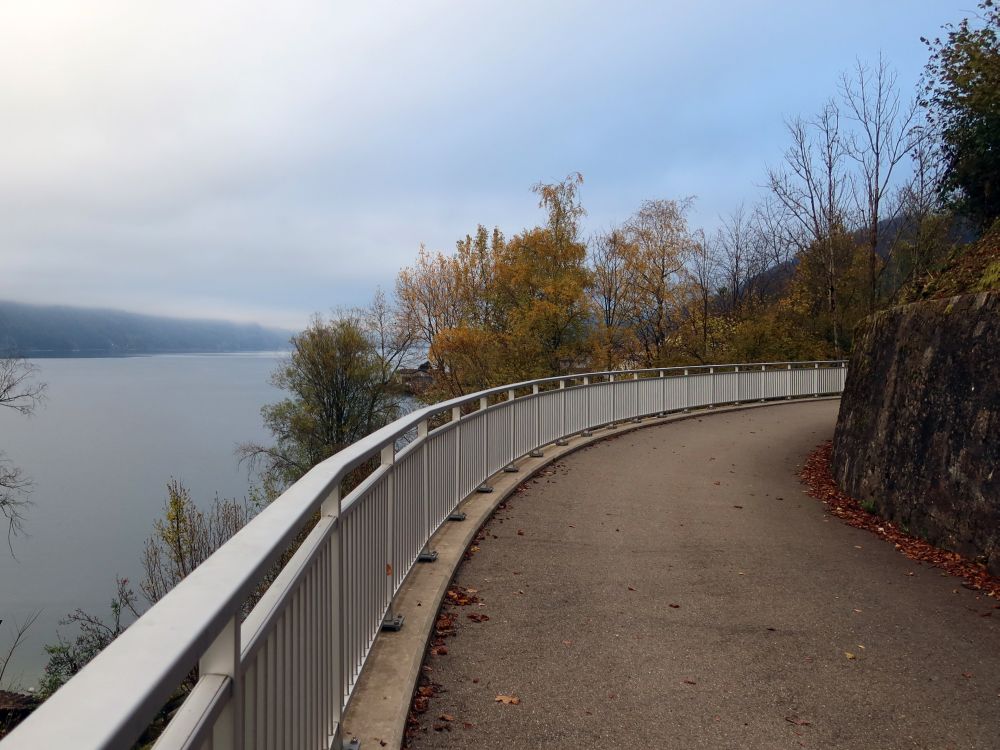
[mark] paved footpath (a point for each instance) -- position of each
(675, 588)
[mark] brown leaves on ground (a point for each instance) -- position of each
(478, 617)
(461, 597)
(508, 700)
(817, 476)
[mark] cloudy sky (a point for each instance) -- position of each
(263, 161)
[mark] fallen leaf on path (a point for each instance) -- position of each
(446, 717)
(520, 532)
(478, 617)
(690, 682)
(967, 675)
(849, 655)
(508, 700)
(738, 507)
(674, 606)
(468, 724)
(797, 721)
(567, 643)
(631, 589)
(716, 482)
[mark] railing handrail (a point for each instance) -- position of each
(112, 699)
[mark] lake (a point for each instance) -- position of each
(101, 449)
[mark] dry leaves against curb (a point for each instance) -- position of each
(508, 700)
(817, 476)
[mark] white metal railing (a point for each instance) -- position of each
(282, 677)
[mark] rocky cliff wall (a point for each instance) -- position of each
(919, 428)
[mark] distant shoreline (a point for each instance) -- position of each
(111, 354)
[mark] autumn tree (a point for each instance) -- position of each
(661, 245)
(499, 309)
(340, 380)
(962, 99)
(612, 294)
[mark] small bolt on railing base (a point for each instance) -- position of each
(510, 469)
(427, 555)
(392, 623)
(457, 516)
(484, 488)
(337, 742)
(535, 454)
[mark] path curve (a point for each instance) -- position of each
(790, 629)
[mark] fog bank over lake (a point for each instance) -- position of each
(111, 434)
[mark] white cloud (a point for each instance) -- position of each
(243, 157)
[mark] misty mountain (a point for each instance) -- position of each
(36, 330)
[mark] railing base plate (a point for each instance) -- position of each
(352, 744)
(561, 442)
(392, 623)
(484, 488)
(536, 454)
(457, 516)
(510, 469)
(428, 556)
(586, 433)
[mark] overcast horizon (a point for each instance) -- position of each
(254, 162)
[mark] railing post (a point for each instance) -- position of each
(614, 401)
(586, 389)
(484, 404)
(331, 507)
(388, 460)
(562, 416)
(537, 452)
(426, 554)
(687, 391)
(223, 659)
(739, 386)
(511, 468)
(456, 417)
(763, 383)
(663, 394)
(635, 415)
(711, 401)
(816, 379)
(788, 382)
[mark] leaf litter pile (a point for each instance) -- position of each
(816, 474)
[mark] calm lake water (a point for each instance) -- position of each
(101, 450)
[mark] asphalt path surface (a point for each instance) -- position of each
(676, 588)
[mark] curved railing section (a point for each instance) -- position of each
(282, 676)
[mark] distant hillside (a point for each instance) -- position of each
(34, 330)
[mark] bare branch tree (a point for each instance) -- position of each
(811, 189)
(22, 392)
(883, 138)
(741, 257)
(20, 629)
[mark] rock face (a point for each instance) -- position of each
(919, 427)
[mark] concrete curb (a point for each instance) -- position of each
(381, 701)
